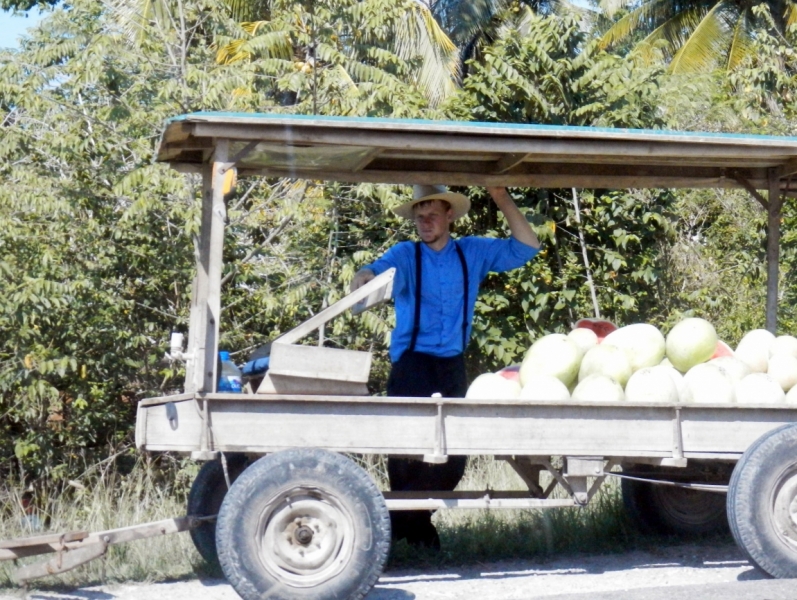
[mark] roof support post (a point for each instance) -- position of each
(775, 206)
(203, 338)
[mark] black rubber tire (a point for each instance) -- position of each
(207, 492)
(667, 510)
(762, 502)
(303, 523)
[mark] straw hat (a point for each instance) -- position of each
(420, 193)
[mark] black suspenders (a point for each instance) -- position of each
(417, 324)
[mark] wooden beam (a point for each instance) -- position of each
(367, 159)
(206, 291)
(750, 188)
(219, 166)
(508, 161)
(773, 249)
(540, 180)
(495, 130)
(789, 167)
(345, 136)
(241, 154)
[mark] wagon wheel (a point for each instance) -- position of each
(762, 502)
(204, 499)
(303, 523)
(668, 510)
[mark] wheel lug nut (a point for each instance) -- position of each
(303, 535)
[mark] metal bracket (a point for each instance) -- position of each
(677, 439)
(438, 456)
(578, 469)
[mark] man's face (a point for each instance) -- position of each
(432, 220)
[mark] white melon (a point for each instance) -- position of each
(552, 355)
(676, 377)
(642, 343)
(652, 384)
(753, 349)
(707, 384)
(784, 344)
(598, 388)
(732, 367)
(783, 369)
(759, 388)
(691, 342)
(791, 396)
(491, 386)
(607, 360)
(583, 338)
(540, 388)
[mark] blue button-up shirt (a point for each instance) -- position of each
(442, 286)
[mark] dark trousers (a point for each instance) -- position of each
(420, 375)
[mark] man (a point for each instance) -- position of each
(435, 288)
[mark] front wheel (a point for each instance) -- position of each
(762, 502)
(303, 523)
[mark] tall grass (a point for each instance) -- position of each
(469, 536)
(105, 498)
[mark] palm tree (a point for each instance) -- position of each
(695, 35)
(360, 40)
(474, 24)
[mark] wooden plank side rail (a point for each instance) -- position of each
(414, 426)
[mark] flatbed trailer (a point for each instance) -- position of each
(297, 518)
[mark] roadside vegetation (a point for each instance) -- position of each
(97, 242)
(116, 494)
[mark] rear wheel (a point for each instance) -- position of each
(668, 510)
(204, 499)
(303, 523)
(762, 502)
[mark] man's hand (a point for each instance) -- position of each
(361, 277)
(518, 225)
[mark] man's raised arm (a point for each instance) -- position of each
(518, 225)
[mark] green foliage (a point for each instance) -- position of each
(545, 70)
(376, 57)
(97, 241)
(695, 36)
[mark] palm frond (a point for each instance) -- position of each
(467, 18)
(648, 11)
(272, 44)
(134, 17)
(790, 14)
(741, 41)
(610, 7)
(702, 48)
(248, 10)
(419, 36)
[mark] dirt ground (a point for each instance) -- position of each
(688, 572)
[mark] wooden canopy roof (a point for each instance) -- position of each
(463, 153)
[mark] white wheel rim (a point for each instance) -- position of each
(784, 508)
(306, 536)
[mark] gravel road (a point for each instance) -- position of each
(689, 572)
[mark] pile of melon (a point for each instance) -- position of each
(597, 361)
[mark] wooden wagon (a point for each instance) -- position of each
(300, 519)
